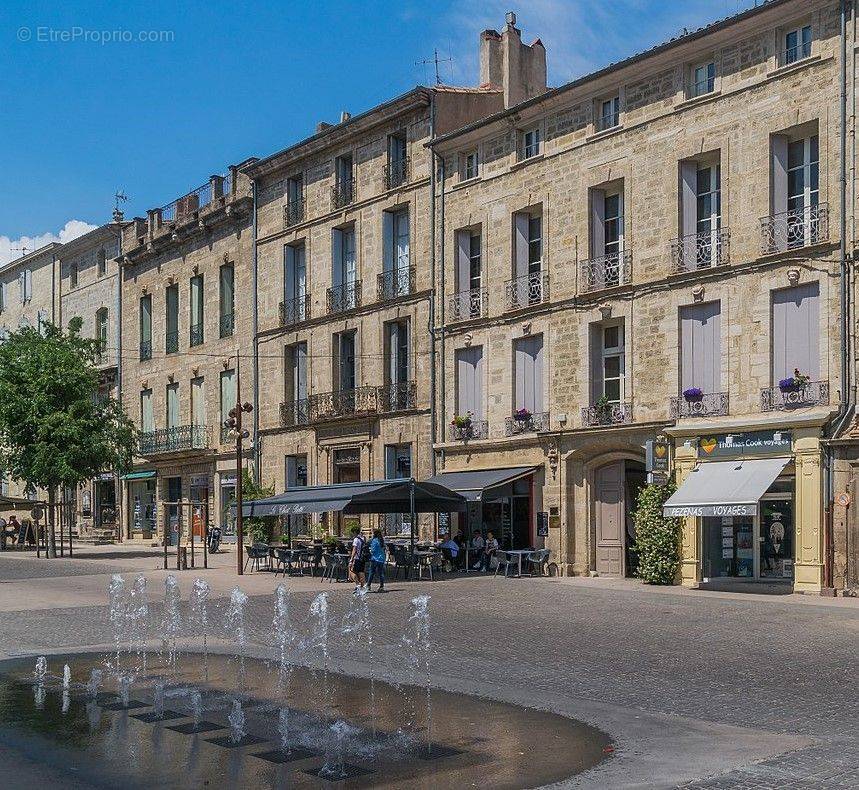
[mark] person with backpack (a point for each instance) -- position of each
(358, 558)
(377, 560)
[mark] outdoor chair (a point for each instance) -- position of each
(425, 563)
(448, 562)
(283, 557)
(336, 568)
(538, 561)
(401, 560)
(505, 560)
(313, 558)
(257, 553)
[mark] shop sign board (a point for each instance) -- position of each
(656, 452)
(542, 524)
(683, 511)
(744, 443)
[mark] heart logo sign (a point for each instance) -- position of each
(660, 450)
(708, 445)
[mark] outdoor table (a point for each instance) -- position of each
(520, 554)
(295, 554)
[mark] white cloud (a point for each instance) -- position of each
(10, 248)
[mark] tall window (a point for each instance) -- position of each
(146, 327)
(296, 471)
(803, 174)
(101, 329)
(196, 310)
(397, 367)
(528, 259)
(344, 269)
(470, 165)
(227, 300)
(294, 283)
(700, 214)
(172, 393)
(609, 380)
(700, 347)
(797, 44)
(613, 224)
(147, 415)
(343, 178)
(528, 376)
(396, 254)
(171, 337)
(345, 366)
(469, 382)
(397, 160)
(531, 143)
(198, 401)
(228, 394)
(296, 373)
(469, 271)
(703, 79)
(398, 461)
(796, 332)
(25, 285)
(797, 219)
(609, 113)
(294, 199)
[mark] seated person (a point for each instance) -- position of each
(489, 549)
(477, 545)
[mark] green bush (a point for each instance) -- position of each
(657, 539)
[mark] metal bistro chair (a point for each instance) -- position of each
(424, 562)
(401, 559)
(257, 553)
(336, 569)
(538, 561)
(313, 559)
(507, 560)
(283, 558)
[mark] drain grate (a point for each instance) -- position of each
(228, 743)
(191, 729)
(350, 771)
(153, 716)
(278, 756)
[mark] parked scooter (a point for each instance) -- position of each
(214, 540)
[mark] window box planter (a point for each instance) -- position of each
(522, 415)
(693, 394)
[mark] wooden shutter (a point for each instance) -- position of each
(700, 347)
(689, 212)
(198, 401)
(463, 261)
(520, 244)
(147, 421)
(299, 371)
(597, 223)
(469, 381)
(336, 258)
(291, 471)
(779, 145)
(172, 405)
(388, 240)
(795, 332)
(596, 362)
(529, 374)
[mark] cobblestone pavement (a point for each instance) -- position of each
(770, 665)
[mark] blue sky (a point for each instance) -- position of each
(82, 118)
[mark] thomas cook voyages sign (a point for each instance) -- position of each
(745, 443)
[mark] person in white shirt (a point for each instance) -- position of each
(357, 559)
(477, 545)
(488, 551)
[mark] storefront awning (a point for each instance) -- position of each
(147, 475)
(472, 483)
(374, 496)
(724, 488)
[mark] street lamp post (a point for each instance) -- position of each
(234, 423)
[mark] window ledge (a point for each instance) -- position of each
(796, 66)
(604, 133)
(523, 162)
(692, 101)
(467, 182)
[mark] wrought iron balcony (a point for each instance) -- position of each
(396, 282)
(344, 297)
(345, 403)
(294, 311)
(293, 212)
(792, 230)
(700, 250)
(607, 271)
(468, 304)
(176, 439)
(343, 193)
(145, 350)
(473, 429)
(397, 172)
(171, 342)
(609, 414)
(514, 425)
(188, 205)
(527, 290)
(196, 337)
(400, 396)
(294, 413)
(711, 404)
(812, 393)
(227, 324)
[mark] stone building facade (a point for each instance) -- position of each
(667, 225)
(186, 337)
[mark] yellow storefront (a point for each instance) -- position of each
(751, 499)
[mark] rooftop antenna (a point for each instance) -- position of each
(118, 197)
(23, 249)
(435, 60)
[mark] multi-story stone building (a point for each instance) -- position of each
(187, 317)
(654, 249)
(345, 287)
(88, 288)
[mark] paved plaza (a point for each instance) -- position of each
(696, 689)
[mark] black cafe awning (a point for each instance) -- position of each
(373, 496)
(474, 483)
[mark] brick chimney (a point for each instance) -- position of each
(509, 65)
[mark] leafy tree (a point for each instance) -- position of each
(54, 428)
(657, 538)
(260, 529)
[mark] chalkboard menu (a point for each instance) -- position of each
(506, 525)
(542, 524)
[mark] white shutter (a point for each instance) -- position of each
(336, 258)
(597, 223)
(529, 374)
(198, 401)
(469, 380)
(779, 144)
(520, 244)
(463, 261)
(388, 241)
(689, 212)
(147, 419)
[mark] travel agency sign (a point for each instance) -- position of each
(735, 444)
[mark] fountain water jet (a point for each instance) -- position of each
(334, 766)
(200, 618)
(138, 616)
(118, 594)
(284, 636)
(234, 624)
(196, 707)
(95, 679)
(172, 621)
(237, 722)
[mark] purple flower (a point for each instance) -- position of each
(789, 383)
(693, 393)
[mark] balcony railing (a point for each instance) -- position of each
(792, 230)
(145, 350)
(176, 439)
(396, 282)
(294, 311)
(344, 297)
(468, 304)
(474, 429)
(608, 121)
(294, 413)
(514, 425)
(607, 271)
(610, 414)
(813, 393)
(171, 342)
(711, 404)
(400, 396)
(397, 172)
(700, 250)
(227, 324)
(527, 290)
(185, 206)
(293, 212)
(342, 194)
(196, 335)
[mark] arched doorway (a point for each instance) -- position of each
(615, 490)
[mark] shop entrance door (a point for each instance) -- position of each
(610, 519)
(729, 547)
(776, 538)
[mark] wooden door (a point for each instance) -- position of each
(609, 510)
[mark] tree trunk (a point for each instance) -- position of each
(52, 538)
